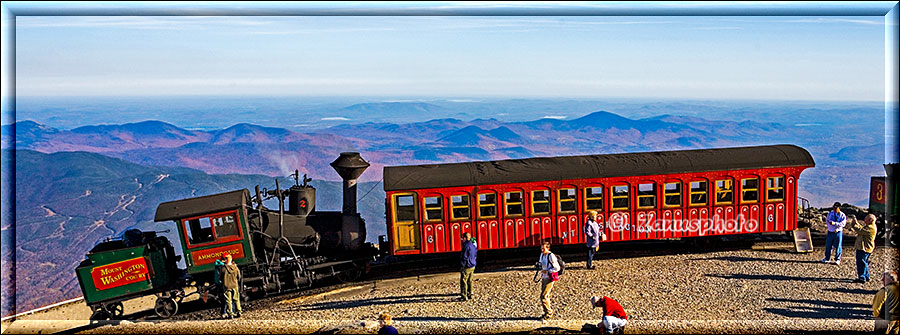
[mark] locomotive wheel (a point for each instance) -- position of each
(165, 307)
(116, 309)
(100, 315)
(349, 275)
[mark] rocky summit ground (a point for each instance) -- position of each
(766, 288)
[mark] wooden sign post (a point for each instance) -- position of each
(802, 240)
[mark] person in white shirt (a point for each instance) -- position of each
(549, 267)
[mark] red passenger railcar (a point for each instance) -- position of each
(638, 196)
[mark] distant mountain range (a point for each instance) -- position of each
(246, 148)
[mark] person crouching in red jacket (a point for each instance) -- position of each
(614, 318)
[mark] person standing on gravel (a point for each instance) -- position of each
(592, 238)
(865, 244)
(231, 277)
(614, 318)
(549, 268)
(885, 305)
(217, 279)
(835, 222)
(467, 256)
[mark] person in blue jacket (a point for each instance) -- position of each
(220, 287)
(386, 325)
(467, 257)
(834, 222)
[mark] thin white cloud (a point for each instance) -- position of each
(136, 22)
(319, 31)
(836, 20)
(555, 117)
(717, 28)
(335, 118)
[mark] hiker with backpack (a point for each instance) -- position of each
(550, 271)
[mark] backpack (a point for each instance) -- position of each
(562, 264)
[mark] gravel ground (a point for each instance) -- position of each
(768, 289)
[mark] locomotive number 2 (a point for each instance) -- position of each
(303, 203)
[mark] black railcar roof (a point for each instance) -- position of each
(209, 204)
(592, 166)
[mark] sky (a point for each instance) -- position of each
(819, 58)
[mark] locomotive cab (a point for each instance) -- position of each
(209, 227)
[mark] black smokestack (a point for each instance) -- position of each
(349, 165)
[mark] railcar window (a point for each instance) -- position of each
(434, 209)
(199, 230)
(567, 200)
(698, 193)
(459, 207)
(672, 193)
(775, 189)
(646, 195)
(406, 208)
(619, 198)
(514, 205)
(749, 190)
(225, 226)
(724, 192)
(487, 205)
(540, 202)
(593, 198)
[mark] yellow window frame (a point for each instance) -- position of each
(535, 202)
(667, 194)
(453, 207)
(440, 207)
(586, 198)
(395, 205)
(639, 196)
(480, 205)
(726, 189)
(768, 179)
(506, 203)
(561, 200)
(704, 192)
(613, 197)
(411, 227)
(749, 189)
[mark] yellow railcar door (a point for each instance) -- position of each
(406, 222)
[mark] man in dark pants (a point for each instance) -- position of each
(834, 222)
(467, 256)
(592, 237)
(220, 285)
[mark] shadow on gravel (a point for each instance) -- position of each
(777, 251)
(851, 290)
(750, 259)
(559, 330)
(780, 277)
(441, 318)
(409, 299)
(821, 309)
